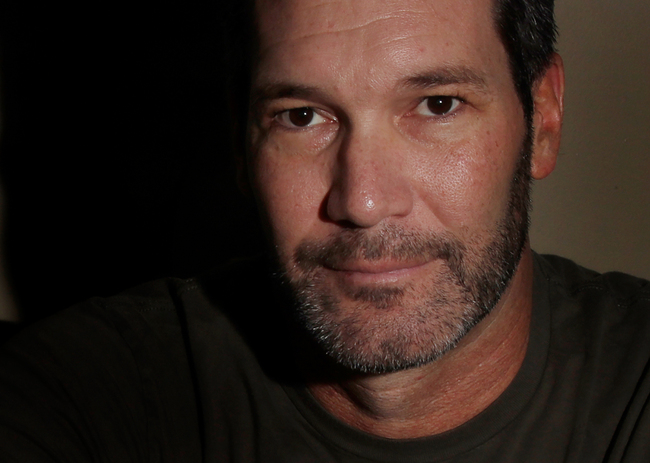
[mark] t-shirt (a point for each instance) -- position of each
(200, 370)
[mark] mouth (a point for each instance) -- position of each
(389, 256)
(365, 272)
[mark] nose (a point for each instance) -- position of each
(369, 184)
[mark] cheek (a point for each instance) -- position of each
(467, 182)
(289, 191)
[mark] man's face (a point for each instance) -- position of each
(386, 143)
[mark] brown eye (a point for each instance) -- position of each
(300, 117)
(438, 105)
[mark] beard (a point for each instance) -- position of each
(380, 329)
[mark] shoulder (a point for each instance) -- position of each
(127, 319)
(611, 290)
(599, 357)
(145, 323)
(155, 311)
(601, 318)
(111, 376)
(600, 321)
(587, 306)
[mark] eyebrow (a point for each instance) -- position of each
(445, 76)
(423, 81)
(275, 91)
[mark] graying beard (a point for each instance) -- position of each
(335, 338)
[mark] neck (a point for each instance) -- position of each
(450, 391)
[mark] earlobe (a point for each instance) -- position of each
(548, 96)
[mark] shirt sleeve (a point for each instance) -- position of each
(70, 391)
(106, 381)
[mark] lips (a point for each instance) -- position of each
(374, 267)
(389, 251)
(364, 273)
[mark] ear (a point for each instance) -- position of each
(548, 97)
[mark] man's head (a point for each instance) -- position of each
(390, 154)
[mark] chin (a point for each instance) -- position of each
(381, 329)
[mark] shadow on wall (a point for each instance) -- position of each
(116, 160)
(8, 310)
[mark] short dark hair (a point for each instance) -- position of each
(526, 27)
(528, 32)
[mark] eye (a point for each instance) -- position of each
(300, 118)
(437, 105)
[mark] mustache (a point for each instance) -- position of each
(391, 243)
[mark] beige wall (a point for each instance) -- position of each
(595, 207)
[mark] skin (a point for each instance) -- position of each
(373, 157)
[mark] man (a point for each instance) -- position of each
(390, 149)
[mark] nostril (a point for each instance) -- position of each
(347, 224)
(331, 210)
(328, 213)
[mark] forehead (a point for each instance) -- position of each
(308, 17)
(364, 34)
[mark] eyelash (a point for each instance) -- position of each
(277, 116)
(458, 101)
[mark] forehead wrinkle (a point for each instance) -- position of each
(346, 60)
(329, 22)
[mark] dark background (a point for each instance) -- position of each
(115, 153)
